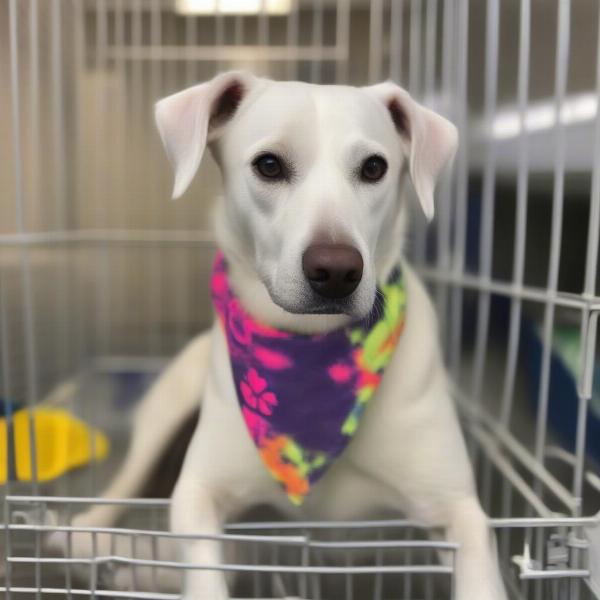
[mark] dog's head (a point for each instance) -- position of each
(312, 179)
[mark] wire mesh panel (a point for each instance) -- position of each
(102, 279)
(269, 559)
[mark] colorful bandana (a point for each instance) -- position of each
(302, 396)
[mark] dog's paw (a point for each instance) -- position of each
(56, 542)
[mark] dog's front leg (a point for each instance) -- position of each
(173, 397)
(195, 510)
(477, 576)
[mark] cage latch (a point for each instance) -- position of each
(557, 551)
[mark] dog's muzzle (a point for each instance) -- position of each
(332, 270)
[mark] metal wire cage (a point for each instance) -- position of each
(102, 279)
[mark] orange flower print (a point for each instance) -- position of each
(295, 485)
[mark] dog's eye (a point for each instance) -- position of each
(373, 169)
(269, 166)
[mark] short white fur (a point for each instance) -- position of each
(408, 455)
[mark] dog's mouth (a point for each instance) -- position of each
(308, 302)
(312, 304)
(321, 309)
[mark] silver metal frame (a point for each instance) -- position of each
(82, 237)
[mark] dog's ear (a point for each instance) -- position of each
(190, 119)
(429, 139)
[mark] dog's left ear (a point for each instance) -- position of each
(190, 119)
(429, 139)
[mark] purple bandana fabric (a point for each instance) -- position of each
(302, 396)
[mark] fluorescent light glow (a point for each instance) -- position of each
(232, 7)
(575, 109)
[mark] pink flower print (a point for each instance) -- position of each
(266, 402)
(255, 394)
(219, 284)
(239, 324)
(255, 384)
(272, 359)
(270, 332)
(257, 425)
(340, 372)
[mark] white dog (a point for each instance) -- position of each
(307, 165)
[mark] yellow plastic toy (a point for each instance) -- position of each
(62, 443)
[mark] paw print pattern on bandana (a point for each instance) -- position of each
(255, 393)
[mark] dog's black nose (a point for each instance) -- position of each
(333, 270)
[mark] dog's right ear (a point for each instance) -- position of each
(190, 119)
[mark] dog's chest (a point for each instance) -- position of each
(302, 396)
